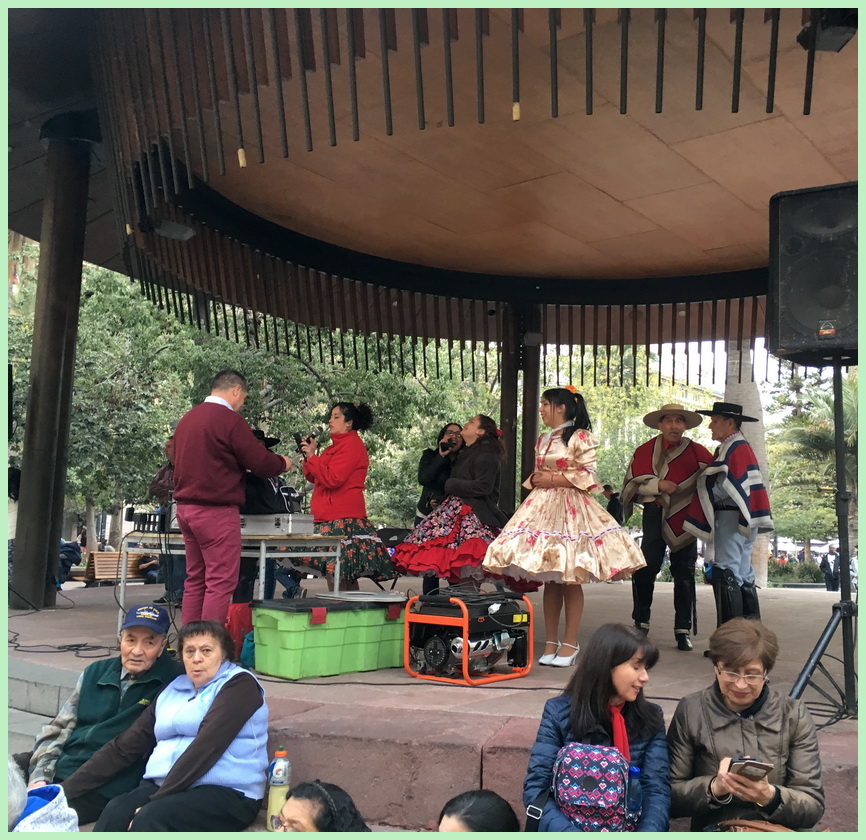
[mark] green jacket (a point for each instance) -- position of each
(102, 713)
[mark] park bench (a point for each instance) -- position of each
(105, 566)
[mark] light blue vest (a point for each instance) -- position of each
(179, 713)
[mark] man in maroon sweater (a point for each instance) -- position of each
(214, 448)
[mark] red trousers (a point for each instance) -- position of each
(212, 538)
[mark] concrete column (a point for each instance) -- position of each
(510, 343)
(43, 468)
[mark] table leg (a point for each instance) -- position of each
(260, 583)
(124, 561)
(337, 568)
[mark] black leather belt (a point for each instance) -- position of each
(724, 507)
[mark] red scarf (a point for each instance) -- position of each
(620, 736)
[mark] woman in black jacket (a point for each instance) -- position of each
(434, 469)
(452, 540)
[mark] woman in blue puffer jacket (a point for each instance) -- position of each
(604, 704)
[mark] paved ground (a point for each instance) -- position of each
(382, 704)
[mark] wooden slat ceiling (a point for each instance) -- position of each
(625, 213)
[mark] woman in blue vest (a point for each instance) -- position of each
(205, 740)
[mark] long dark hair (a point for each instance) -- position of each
(481, 810)
(491, 434)
(335, 810)
(360, 415)
(590, 688)
(575, 410)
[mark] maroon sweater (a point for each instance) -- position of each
(214, 448)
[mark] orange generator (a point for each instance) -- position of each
(459, 636)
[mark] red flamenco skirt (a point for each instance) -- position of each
(451, 543)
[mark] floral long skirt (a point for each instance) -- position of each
(362, 553)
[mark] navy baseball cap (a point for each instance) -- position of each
(147, 615)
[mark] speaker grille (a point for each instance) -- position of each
(812, 293)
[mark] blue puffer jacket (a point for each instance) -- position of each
(555, 731)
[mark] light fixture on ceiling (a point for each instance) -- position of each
(166, 228)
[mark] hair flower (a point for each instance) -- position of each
(499, 433)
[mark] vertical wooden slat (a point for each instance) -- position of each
(234, 93)
(351, 16)
(324, 17)
(552, 26)
(269, 23)
(661, 16)
(386, 73)
(701, 307)
(247, 31)
(152, 37)
(479, 64)
(437, 331)
(447, 37)
(588, 21)
(214, 94)
(191, 49)
(737, 17)
(174, 27)
(624, 18)
(701, 17)
(582, 340)
(753, 334)
(740, 334)
(634, 350)
(302, 15)
(773, 16)
(515, 63)
(810, 61)
(595, 345)
(419, 77)
(571, 345)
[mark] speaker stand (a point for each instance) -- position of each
(845, 704)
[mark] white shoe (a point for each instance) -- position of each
(548, 658)
(566, 661)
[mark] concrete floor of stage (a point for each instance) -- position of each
(402, 746)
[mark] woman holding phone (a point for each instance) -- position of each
(739, 717)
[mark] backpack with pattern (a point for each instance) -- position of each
(589, 786)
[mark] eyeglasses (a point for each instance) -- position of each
(277, 824)
(452, 434)
(751, 679)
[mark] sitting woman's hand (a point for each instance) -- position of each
(759, 791)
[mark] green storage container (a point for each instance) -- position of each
(319, 637)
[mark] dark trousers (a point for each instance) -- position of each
(174, 574)
(831, 582)
(682, 570)
(201, 808)
(88, 806)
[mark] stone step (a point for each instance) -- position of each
(23, 729)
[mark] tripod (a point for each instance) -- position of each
(845, 705)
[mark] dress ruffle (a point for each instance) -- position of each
(451, 543)
(563, 535)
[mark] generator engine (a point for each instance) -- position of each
(497, 629)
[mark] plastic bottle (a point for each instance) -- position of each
(633, 796)
(279, 778)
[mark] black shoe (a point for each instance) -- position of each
(166, 602)
(683, 641)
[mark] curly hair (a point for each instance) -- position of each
(491, 434)
(208, 628)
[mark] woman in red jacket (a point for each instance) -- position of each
(338, 474)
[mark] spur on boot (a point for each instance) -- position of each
(683, 640)
(566, 661)
(548, 658)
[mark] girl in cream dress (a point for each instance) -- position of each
(560, 535)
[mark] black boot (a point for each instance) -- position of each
(751, 609)
(683, 640)
(729, 598)
(429, 585)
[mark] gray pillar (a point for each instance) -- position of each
(510, 343)
(531, 366)
(55, 329)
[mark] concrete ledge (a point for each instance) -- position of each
(400, 766)
(39, 689)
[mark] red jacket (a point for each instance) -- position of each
(214, 448)
(338, 474)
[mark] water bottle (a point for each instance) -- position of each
(279, 777)
(633, 796)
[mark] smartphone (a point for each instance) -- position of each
(748, 767)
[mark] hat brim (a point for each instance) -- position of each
(741, 417)
(693, 419)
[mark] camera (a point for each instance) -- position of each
(447, 445)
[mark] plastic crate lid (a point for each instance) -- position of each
(302, 605)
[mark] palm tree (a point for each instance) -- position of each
(812, 437)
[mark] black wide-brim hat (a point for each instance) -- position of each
(267, 441)
(726, 409)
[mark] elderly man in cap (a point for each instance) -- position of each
(109, 696)
(662, 478)
(731, 507)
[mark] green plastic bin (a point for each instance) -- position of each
(319, 637)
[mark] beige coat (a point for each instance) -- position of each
(704, 730)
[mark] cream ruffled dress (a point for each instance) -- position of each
(562, 534)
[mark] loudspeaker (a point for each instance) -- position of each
(812, 290)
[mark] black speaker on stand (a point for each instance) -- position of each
(812, 321)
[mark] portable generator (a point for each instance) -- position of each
(459, 636)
